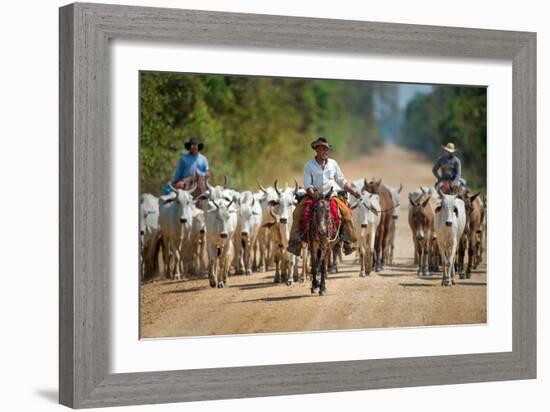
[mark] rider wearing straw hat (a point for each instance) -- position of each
(450, 167)
(321, 175)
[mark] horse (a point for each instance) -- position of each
(323, 233)
(383, 230)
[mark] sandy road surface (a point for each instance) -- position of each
(395, 297)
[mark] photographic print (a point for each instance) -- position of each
(277, 205)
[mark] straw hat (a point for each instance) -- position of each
(450, 148)
(321, 141)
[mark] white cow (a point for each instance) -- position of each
(366, 217)
(199, 242)
(248, 228)
(390, 239)
(149, 234)
(450, 220)
(221, 221)
(176, 213)
(281, 212)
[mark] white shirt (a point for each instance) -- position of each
(324, 178)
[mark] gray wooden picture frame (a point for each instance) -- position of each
(85, 31)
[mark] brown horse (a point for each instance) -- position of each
(323, 233)
(383, 230)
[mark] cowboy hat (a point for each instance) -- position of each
(321, 141)
(449, 148)
(193, 141)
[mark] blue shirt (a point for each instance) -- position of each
(189, 165)
(450, 168)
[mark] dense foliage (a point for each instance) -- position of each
(252, 127)
(451, 114)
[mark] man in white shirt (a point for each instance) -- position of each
(320, 175)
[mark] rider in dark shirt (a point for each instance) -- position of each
(450, 167)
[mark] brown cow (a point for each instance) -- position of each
(470, 241)
(421, 221)
(383, 231)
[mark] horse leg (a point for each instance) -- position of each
(362, 261)
(377, 254)
(277, 278)
(418, 257)
(471, 247)
(314, 283)
(324, 263)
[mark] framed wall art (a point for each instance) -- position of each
(189, 140)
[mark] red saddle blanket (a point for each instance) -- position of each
(308, 209)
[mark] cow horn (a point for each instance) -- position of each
(208, 185)
(439, 192)
(295, 186)
(172, 188)
(425, 202)
(193, 188)
(379, 181)
(400, 188)
(422, 190)
(276, 188)
(261, 187)
(230, 203)
(365, 184)
(225, 181)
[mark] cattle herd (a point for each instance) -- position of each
(223, 232)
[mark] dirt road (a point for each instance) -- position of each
(395, 297)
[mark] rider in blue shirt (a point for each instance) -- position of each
(191, 164)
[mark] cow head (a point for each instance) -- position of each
(373, 186)
(366, 209)
(419, 215)
(224, 224)
(185, 204)
(283, 206)
(447, 206)
(396, 201)
(248, 209)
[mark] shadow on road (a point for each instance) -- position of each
(331, 276)
(389, 275)
(255, 285)
(193, 289)
(275, 299)
(471, 283)
(416, 285)
(404, 269)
